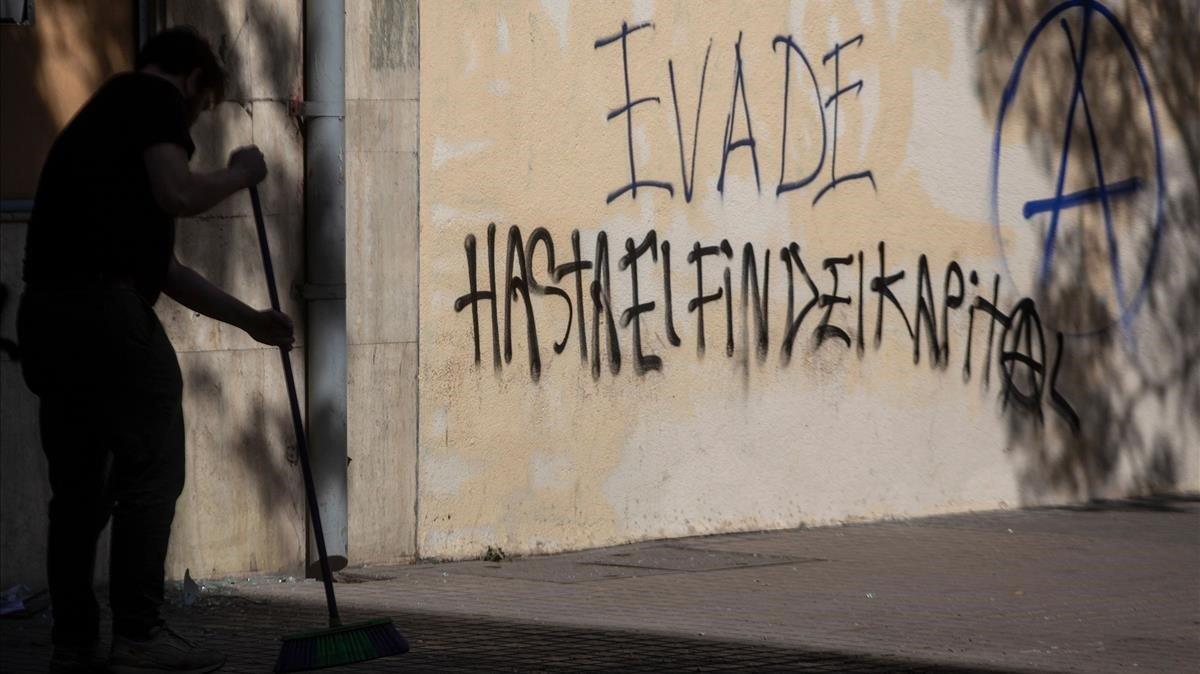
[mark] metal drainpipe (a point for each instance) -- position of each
(325, 255)
(144, 23)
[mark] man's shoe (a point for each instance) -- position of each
(165, 652)
(76, 659)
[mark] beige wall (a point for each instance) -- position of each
(514, 98)
(47, 70)
(381, 278)
(242, 508)
(465, 114)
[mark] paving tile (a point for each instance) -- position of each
(1106, 589)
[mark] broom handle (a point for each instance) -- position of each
(301, 442)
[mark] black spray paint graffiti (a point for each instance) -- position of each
(831, 297)
(740, 107)
(1014, 339)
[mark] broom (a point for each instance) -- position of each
(339, 644)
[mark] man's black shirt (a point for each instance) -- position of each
(95, 217)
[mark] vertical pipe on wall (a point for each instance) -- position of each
(325, 254)
(141, 24)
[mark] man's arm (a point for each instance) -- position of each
(186, 286)
(179, 191)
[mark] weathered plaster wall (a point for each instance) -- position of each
(242, 508)
(381, 277)
(513, 131)
(537, 115)
(48, 69)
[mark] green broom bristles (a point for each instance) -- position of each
(340, 646)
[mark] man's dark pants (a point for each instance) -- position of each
(111, 420)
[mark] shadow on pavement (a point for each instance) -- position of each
(248, 630)
(1166, 503)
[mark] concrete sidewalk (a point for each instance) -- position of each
(1111, 587)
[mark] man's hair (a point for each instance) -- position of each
(179, 51)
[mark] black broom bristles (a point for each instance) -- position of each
(340, 646)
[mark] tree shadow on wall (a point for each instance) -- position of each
(264, 447)
(260, 50)
(1132, 348)
(246, 434)
(259, 43)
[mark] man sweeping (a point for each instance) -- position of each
(99, 252)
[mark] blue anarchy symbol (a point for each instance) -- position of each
(1103, 192)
